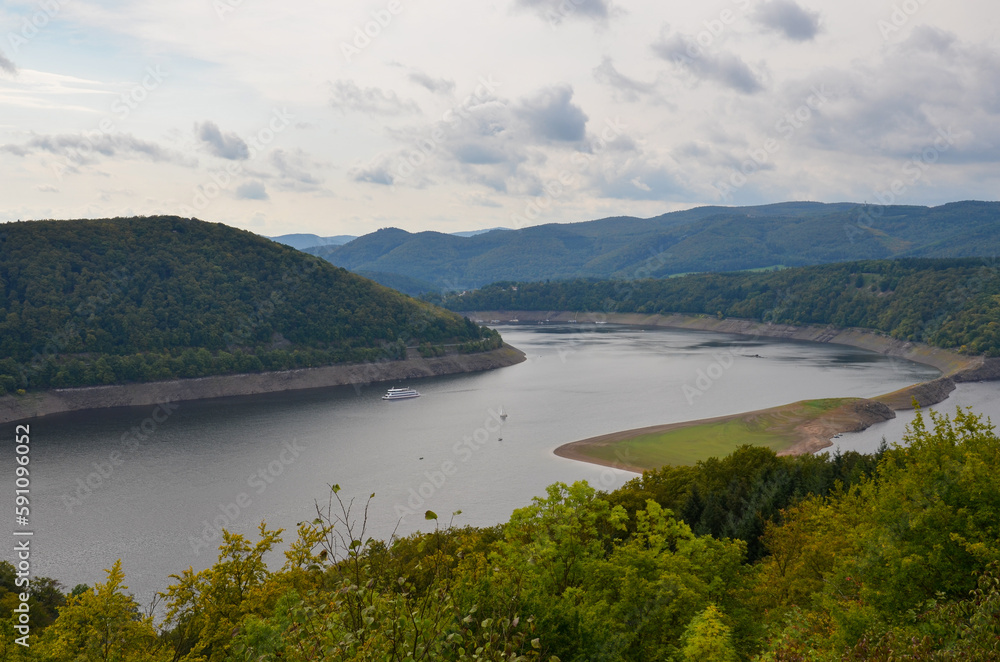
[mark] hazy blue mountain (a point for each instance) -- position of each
(694, 240)
(473, 233)
(301, 241)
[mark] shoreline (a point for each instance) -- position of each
(947, 361)
(813, 435)
(57, 401)
(853, 415)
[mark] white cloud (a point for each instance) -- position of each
(628, 89)
(252, 190)
(557, 11)
(711, 90)
(88, 148)
(347, 95)
(715, 64)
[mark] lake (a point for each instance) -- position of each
(162, 481)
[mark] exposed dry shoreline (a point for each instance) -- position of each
(853, 416)
(33, 405)
(813, 435)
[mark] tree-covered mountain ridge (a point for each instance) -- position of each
(948, 303)
(121, 300)
(703, 239)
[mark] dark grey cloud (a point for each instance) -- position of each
(379, 172)
(435, 85)
(708, 63)
(346, 95)
(224, 145)
(252, 190)
(628, 88)
(7, 65)
(788, 18)
(557, 11)
(474, 153)
(88, 148)
(552, 115)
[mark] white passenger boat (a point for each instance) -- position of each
(400, 394)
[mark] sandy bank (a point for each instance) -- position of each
(813, 435)
(13, 408)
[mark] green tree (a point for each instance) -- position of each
(708, 638)
(207, 608)
(102, 625)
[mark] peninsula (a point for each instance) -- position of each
(795, 428)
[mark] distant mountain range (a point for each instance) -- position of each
(304, 241)
(696, 240)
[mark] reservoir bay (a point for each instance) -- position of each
(159, 494)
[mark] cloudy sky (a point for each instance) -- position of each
(341, 118)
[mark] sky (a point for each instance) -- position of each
(347, 117)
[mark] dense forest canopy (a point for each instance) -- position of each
(703, 239)
(952, 303)
(138, 299)
(887, 557)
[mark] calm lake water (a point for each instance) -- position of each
(155, 501)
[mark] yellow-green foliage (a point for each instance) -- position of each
(102, 624)
(887, 558)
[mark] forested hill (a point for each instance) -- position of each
(140, 299)
(695, 240)
(946, 303)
